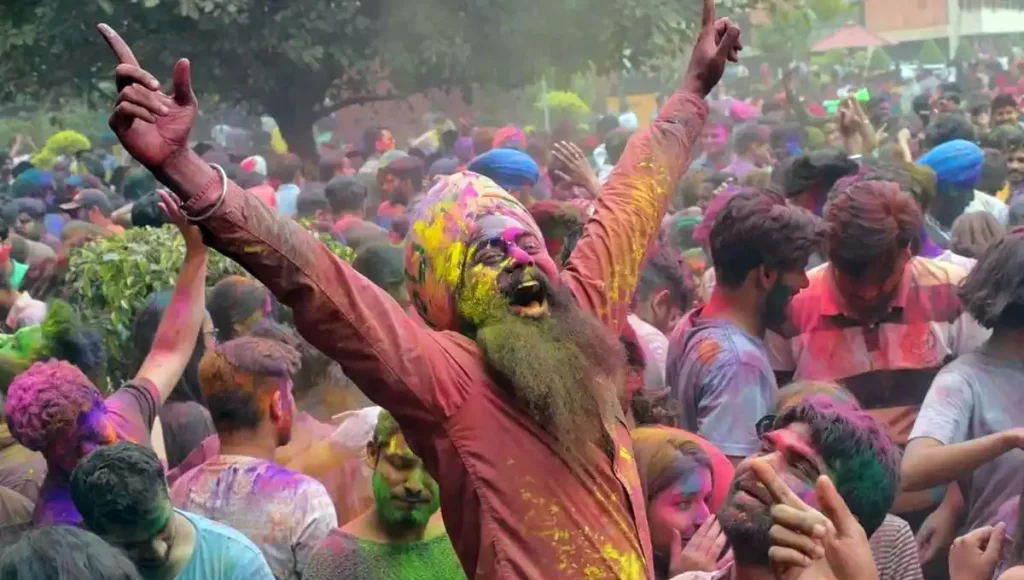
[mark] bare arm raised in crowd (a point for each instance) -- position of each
(176, 336)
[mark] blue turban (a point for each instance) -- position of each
(509, 168)
(32, 183)
(957, 164)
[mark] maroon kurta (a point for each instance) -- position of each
(513, 507)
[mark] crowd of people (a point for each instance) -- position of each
(746, 341)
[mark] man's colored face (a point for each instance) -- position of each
(385, 142)
(28, 227)
(148, 545)
(508, 269)
(682, 507)
(1015, 166)
(1005, 116)
(869, 296)
(405, 494)
(761, 153)
(945, 105)
(715, 138)
(92, 431)
(746, 514)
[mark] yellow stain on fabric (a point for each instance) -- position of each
(649, 186)
(580, 552)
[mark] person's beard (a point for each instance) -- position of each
(562, 370)
(773, 314)
(748, 529)
(397, 519)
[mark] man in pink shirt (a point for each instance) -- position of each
(510, 398)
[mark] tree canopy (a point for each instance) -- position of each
(299, 60)
(786, 35)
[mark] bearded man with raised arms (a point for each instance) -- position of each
(510, 398)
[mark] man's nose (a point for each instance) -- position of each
(519, 256)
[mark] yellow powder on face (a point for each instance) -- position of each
(479, 298)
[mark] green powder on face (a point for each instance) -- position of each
(394, 516)
(345, 556)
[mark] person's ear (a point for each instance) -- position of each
(277, 410)
(661, 302)
(766, 277)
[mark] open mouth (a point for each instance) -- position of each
(528, 299)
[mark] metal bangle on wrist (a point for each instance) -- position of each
(220, 199)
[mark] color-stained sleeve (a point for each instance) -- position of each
(398, 364)
(604, 267)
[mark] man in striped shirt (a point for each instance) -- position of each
(875, 318)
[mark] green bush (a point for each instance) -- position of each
(931, 53)
(111, 278)
(879, 62)
(566, 106)
(965, 52)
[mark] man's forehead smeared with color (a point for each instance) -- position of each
(460, 212)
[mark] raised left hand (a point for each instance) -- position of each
(171, 207)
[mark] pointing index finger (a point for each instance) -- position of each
(709, 14)
(778, 489)
(118, 45)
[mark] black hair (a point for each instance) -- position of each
(948, 127)
(384, 265)
(664, 270)
(615, 144)
(1004, 101)
(1004, 138)
(993, 292)
(993, 172)
(146, 212)
(120, 486)
(311, 200)
(314, 367)
(34, 208)
(772, 107)
(144, 328)
(234, 300)
(346, 194)
(822, 168)
(64, 553)
(758, 228)
(20, 168)
(746, 137)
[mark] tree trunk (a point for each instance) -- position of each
(297, 129)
